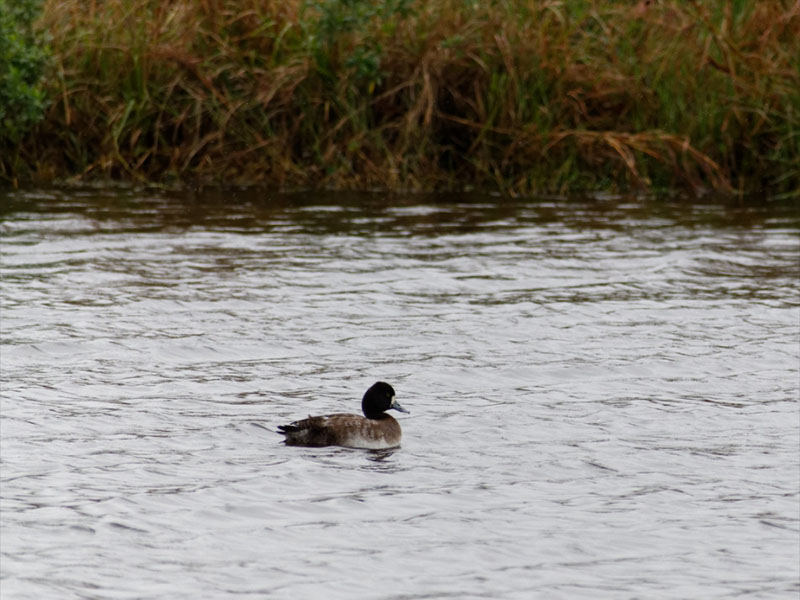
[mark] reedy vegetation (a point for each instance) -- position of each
(521, 96)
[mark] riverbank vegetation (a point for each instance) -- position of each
(520, 96)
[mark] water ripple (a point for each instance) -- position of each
(604, 397)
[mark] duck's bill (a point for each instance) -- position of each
(396, 405)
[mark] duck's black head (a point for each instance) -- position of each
(378, 399)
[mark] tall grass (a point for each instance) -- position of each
(523, 96)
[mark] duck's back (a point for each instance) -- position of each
(353, 431)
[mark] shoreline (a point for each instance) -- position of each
(519, 99)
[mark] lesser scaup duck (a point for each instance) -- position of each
(375, 430)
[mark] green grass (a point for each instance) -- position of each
(523, 97)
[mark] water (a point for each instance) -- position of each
(603, 396)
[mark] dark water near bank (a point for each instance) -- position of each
(603, 396)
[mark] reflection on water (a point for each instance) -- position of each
(604, 396)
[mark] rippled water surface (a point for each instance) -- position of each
(603, 396)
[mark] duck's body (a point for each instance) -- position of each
(375, 430)
(351, 431)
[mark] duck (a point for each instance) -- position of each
(374, 431)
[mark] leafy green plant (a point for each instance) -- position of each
(22, 63)
(334, 20)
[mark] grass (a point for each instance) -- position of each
(523, 97)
